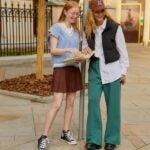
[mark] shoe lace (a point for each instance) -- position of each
(43, 143)
(70, 136)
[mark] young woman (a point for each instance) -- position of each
(107, 70)
(64, 43)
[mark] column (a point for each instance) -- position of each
(107, 2)
(118, 11)
(146, 35)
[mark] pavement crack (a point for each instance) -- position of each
(143, 146)
(33, 120)
(17, 145)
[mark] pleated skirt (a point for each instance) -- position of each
(66, 79)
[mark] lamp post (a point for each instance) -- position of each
(83, 69)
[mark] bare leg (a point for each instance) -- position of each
(68, 110)
(57, 101)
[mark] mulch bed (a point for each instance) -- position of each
(28, 84)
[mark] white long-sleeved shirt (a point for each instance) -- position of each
(111, 71)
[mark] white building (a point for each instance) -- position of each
(133, 15)
(20, 25)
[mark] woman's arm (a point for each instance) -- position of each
(58, 51)
(85, 47)
(121, 47)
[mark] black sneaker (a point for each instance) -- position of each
(66, 135)
(43, 142)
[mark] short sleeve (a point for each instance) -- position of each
(54, 30)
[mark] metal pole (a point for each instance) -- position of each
(83, 66)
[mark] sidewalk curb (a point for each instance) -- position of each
(13, 60)
(34, 98)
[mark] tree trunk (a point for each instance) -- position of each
(40, 39)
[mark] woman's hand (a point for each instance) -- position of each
(76, 52)
(87, 50)
(123, 79)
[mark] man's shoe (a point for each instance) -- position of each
(110, 146)
(92, 146)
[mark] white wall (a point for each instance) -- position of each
(15, 2)
(56, 13)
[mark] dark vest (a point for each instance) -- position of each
(108, 42)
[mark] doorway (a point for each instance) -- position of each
(132, 21)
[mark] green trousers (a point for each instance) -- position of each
(112, 93)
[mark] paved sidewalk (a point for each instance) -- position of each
(21, 120)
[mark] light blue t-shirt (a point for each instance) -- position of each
(67, 38)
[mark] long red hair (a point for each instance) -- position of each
(67, 6)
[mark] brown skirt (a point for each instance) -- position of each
(66, 79)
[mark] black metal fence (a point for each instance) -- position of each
(18, 26)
